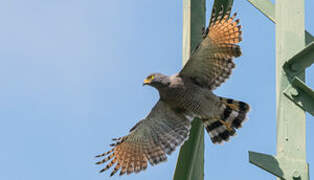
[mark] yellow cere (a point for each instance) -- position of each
(149, 79)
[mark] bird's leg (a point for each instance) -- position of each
(227, 124)
(234, 107)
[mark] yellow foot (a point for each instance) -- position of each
(234, 107)
(227, 124)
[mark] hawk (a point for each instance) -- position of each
(184, 96)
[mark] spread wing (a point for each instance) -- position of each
(149, 140)
(211, 62)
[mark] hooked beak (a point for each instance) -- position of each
(146, 81)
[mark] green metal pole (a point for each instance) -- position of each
(190, 165)
(290, 38)
(293, 96)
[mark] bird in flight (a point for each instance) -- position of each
(183, 97)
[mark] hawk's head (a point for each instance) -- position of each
(157, 80)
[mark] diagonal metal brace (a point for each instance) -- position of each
(301, 95)
(301, 60)
(266, 162)
(268, 9)
(281, 167)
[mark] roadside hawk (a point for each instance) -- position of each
(184, 96)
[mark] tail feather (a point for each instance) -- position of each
(222, 127)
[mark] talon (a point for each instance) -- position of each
(233, 106)
(228, 125)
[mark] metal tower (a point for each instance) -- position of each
(294, 53)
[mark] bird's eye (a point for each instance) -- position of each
(152, 77)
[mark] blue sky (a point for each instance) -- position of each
(71, 75)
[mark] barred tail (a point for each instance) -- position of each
(233, 115)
